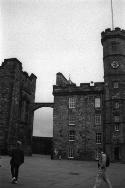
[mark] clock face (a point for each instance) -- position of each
(115, 64)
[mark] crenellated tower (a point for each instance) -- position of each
(113, 42)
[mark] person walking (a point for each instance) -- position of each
(17, 158)
(101, 174)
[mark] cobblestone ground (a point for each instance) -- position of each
(41, 172)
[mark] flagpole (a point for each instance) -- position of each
(112, 15)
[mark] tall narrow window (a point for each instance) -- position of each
(116, 118)
(72, 102)
(116, 105)
(97, 102)
(116, 127)
(98, 119)
(70, 153)
(71, 135)
(115, 85)
(71, 119)
(98, 138)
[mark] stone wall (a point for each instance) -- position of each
(84, 145)
(17, 91)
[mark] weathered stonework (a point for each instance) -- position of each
(84, 145)
(17, 91)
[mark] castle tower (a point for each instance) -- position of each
(113, 42)
(17, 94)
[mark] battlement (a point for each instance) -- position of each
(116, 33)
(91, 85)
(84, 88)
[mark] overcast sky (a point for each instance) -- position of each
(50, 36)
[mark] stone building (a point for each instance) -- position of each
(17, 93)
(92, 115)
(77, 118)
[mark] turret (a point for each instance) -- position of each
(113, 42)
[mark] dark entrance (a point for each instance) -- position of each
(116, 153)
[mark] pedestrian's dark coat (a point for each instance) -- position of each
(17, 157)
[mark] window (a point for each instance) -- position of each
(117, 127)
(97, 102)
(116, 118)
(98, 138)
(97, 119)
(116, 105)
(71, 119)
(71, 135)
(72, 102)
(70, 153)
(115, 85)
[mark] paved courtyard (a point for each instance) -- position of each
(40, 171)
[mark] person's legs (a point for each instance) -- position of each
(107, 181)
(99, 177)
(16, 171)
(12, 171)
(97, 181)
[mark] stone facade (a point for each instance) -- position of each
(92, 115)
(17, 93)
(75, 127)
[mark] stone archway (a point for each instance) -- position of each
(44, 116)
(27, 127)
(41, 142)
(36, 106)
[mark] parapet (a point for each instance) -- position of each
(92, 85)
(31, 77)
(83, 89)
(115, 33)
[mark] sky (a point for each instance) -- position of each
(50, 36)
